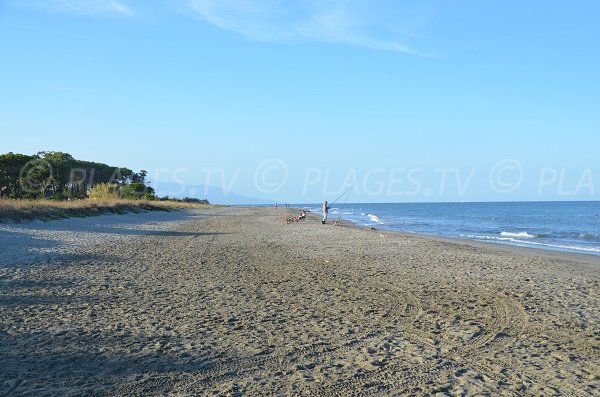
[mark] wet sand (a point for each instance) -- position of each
(234, 301)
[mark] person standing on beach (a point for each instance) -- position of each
(325, 211)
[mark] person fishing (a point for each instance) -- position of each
(326, 208)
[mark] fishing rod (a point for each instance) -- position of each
(347, 193)
(341, 195)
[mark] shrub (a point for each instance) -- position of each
(104, 191)
(137, 190)
(194, 200)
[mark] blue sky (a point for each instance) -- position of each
(293, 101)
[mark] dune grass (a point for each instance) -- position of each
(15, 211)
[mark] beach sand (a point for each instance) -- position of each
(234, 301)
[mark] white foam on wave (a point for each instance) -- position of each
(529, 242)
(517, 235)
(589, 237)
(375, 218)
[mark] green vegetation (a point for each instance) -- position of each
(54, 185)
(104, 191)
(188, 200)
(59, 176)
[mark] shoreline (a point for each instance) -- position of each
(566, 226)
(234, 301)
(508, 248)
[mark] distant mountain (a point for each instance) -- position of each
(214, 195)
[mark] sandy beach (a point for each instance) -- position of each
(234, 301)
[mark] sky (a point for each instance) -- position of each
(294, 101)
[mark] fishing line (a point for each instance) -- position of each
(349, 190)
(341, 195)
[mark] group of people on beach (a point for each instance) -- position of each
(302, 215)
(297, 218)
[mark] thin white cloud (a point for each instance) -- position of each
(82, 7)
(349, 22)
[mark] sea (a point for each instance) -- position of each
(572, 226)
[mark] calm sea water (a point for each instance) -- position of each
(565, 226)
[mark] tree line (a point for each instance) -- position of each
(58, 175)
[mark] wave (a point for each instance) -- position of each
(375, 218)
(313, 209)
(492, 238)
(589, 237)
(581, 236)
(518, 235)
(529, 242)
